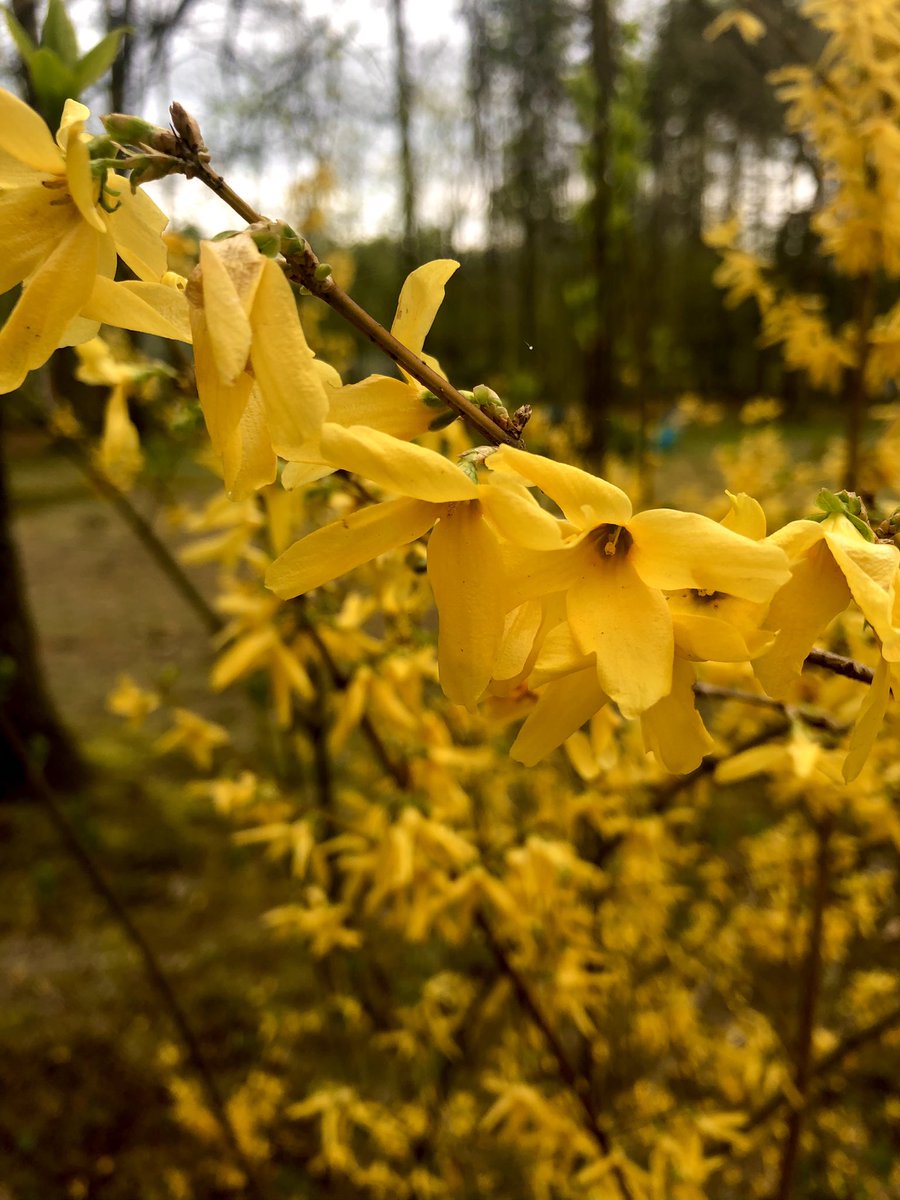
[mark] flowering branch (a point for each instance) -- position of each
(182, 150)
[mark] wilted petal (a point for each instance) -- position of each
(356, 539)
(465, 570)
(227, 317)
(248, 460)
(586, 500)
(672, 728)
(563, 706)
(394, 465)
(674, 550)
(614, 615)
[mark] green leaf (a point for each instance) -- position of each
(58, 33)
(53, 84)
(24, 44)
(100, 58)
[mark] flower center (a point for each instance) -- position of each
(611, 540)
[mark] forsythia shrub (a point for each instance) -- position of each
(599, 888)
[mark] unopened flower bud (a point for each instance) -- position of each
(186, 127)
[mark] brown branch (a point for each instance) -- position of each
(809, 993)
(44, 794)
(575, 1082)
(811, 716)
(303, 267)
(839, 665)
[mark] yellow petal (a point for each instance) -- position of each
(672, 728)
(136, 227)
(243, 656)
(868, 721)
(709, 639)
(563, 706)
(292, 388)
(296, 474)
(871, 573)
(585, 500)
(813, 597)
(51, 298)
(614, 615)
(25, 137)
(248, 460)
(518, 644)
(745, 516)
(144, 307)
(515, 514)
(420, 299)
(227, 321)
(394, 465)
(82, 188)
(222, 404)
(797, 537)
(466, 575)
(74, 116)
(382, 403)
(674, 550)
(759, 760)
(30, 226)
(348, 543)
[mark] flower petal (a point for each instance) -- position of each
(137, 226)
(420, 298)
(292, 388)
(81, 182)
(515, 514)
(348, 543)
(381, 403)
(674, 550)
(871, 573)
(227, 319)
(628, 626)
(144, 307)
(745, 516)
(868, 721)
(223, 404)
(248, 460)
(563, 706)
(25, 137)
(51, 298)
(586, 500)
(396, 466)
(672, 728)
(465, 570)
(30, 226)
(813, 597)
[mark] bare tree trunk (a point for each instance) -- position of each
(404, 122)
(24, 701)
(599, 383)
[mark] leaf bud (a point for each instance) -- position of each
(135, 131)
(430, 400)
(186, 128)
(442, 421)
(267, 242)
(323, 272)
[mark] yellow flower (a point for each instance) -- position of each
(57, 239)
(260, 387)
(831, 562)
(615, 568)
(193, 734)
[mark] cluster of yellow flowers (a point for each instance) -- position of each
(549, 589)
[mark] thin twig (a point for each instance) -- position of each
(574, 1081)
(44, 794)
(811, 716)
(809, 993)
(303, 267)
(839, 665)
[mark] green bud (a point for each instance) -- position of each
(224, 235)
(430, 400)
(129, 130)
(323, 272)
(442, 421)
(468, 468)
(291, 242)
(486, 397)
(267, 242)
